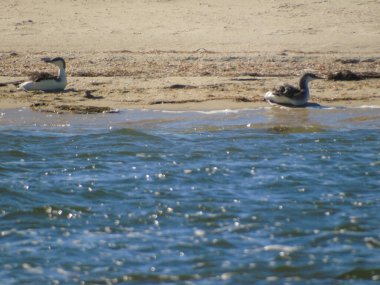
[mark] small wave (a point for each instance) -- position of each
(14, 154)
(360, 273)
(151, 278)
(136, 135)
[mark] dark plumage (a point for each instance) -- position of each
(39, 76)
(288, 91)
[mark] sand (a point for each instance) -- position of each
(187, 54)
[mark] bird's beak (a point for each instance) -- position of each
(319, 77)
(46, 59)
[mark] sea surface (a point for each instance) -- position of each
(263, 196)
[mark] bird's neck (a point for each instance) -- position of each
(61, 73)
(304, 84)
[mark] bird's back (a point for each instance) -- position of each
(286, 90)
(40, 76)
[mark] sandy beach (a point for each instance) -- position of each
(178, 54)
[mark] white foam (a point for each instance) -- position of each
(368, 107)
(277, 247)
(212, 112)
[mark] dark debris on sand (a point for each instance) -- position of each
(348, 75)
(180, 86)
(243, 99)
(80, 109)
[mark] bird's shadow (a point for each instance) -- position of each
(307, 105)
(55, 91)
(312, 105)
(88, 95)
(69, 90)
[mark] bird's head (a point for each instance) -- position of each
(58, 61)
(311, 76)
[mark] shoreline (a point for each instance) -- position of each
(208, 106)
(276, 119)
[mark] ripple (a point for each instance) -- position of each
(191, 198)
(360, 273)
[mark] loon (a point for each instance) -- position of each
(292, 96)
(43, 81)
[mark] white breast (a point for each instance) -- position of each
(269, 96)
(44, 85)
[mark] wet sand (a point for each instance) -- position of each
(187, 55)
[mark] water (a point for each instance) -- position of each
(267, 196)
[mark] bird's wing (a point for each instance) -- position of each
(39, 76)
(286, 90)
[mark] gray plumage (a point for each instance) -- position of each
(290, 95)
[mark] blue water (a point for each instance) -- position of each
(267, 196)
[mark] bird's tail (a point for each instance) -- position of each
(15, 83)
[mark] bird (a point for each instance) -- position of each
(43, 81)
(290, 95)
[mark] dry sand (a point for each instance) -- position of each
(187, 54)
